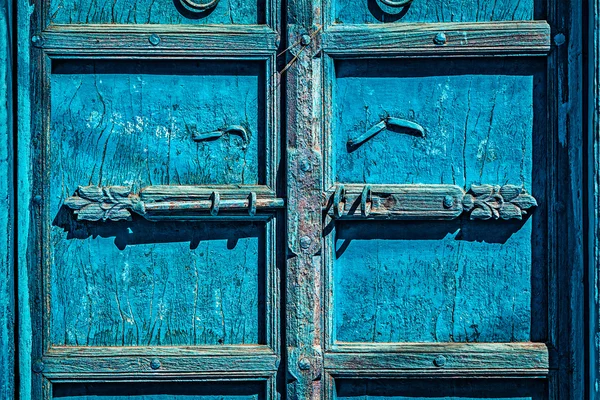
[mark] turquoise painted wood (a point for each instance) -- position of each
(133, 124)
(442, 390)
(152, 12)
(454, 282)
(360, 201)
(157, 391)
(374, 11)
(7, 279)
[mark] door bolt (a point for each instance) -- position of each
(38, 366)
(155, 363)
(304, 364)
(154, 39)
(440, 38)
(305, 242)
(439, 361)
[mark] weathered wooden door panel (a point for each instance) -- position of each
(141, 123)
(159, 284)
(478, 117)
(460, 389)
(158, 12)
(159, 391)
(374, 11)
(459, 281)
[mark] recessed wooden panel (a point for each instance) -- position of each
(376, 11)
(478, 117)
(162, 391)
(459, 389)
(154, 12)
(165, 284)
(458, 281)
(141, 123)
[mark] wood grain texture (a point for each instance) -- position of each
(7, 281)
(123, 123)
(442, 389)
(565, 161)
(153, 12)
(111, 41)
(593, 195)
(77, 363)
(441, 359)
(158, 284)
(209, 390)
(433, 282)
(461, 39)
(374, 11)
(474, 133)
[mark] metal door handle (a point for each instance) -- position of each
(401, 3)
(411, 128)
(202, 6)
(231, 129)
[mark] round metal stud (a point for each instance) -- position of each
(155, 363)
(448, 201)
(38, 366)
(304, 364)
(154, 39)
(439, 361)
(440, 39)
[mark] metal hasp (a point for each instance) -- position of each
(154, 203)
(213, 135)
(200, 6)
(389, 123)
(428, 202)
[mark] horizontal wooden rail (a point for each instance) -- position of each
(112, 363)
(448, 359)
(439, 39)
(160, 40)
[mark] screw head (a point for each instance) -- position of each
(37, 199)
(38, 366)
(154, 39)
(155, 364)
(305, 242)
(448, 201)
(439, 361)
(440, 38)
(305, 40)
(304, 364)
(37, 40)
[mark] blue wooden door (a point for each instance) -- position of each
(326, 199)
(429, 133)
(153, 238)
